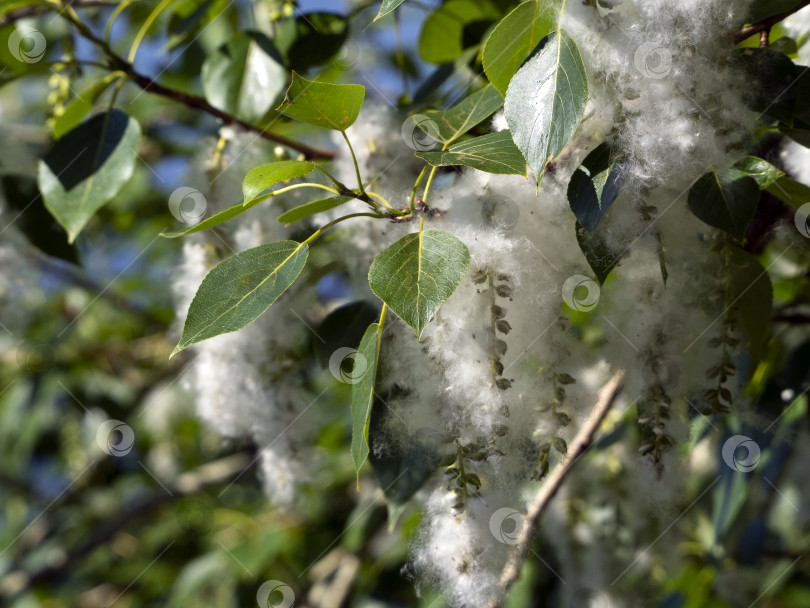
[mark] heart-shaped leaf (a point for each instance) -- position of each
(259, 179)
(332, 106)
(368, 354)
(601, 257)
(87, 167)
(594, 186)
(513, 39)
(725, 200)
(493, 153)
(546, 99)
(240, 289)
(417, 274)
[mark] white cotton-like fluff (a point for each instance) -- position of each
(798, 28)
(796, 159)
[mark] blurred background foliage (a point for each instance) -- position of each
(181, 520)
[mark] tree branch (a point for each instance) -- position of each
(192, 101)
(581, 442)
(766, 24)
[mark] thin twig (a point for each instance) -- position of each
(581, 442)
(765, 24)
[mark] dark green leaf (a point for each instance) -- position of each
(363, 394)
(332, 106)
(240, 289)
(80, 107)
(761, 170)
(790, 191)
(245, 76)
(459, 119)
(309, 209)
(513, 39)
(594, 186)
(772, 75)
(343, 327)
(493, 153)
(260, 179)
(87, 167)
(762, 9)
(443, 34)
(311, 39)
(546, 100)
(190, 17)
(215, 220)
(751, 299)
(601, 258)
(415, 275)
(725, 200)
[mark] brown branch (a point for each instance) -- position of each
(192, 101)
(581, 442)
(33, 11)
(766, 24)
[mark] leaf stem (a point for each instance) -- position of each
(429, 182)
(381, 198)
(354, 160)
(145, 28)
(415, 188)
(323, 229)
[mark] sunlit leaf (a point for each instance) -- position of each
(332, 106)
(493, 153)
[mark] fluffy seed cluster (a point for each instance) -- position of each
(505, 374)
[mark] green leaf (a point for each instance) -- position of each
(215, 220)
(245, 76)
(594, 246)
(309, 209)
(546, 100)
(751, 297)
(762, 9)
(513, 39)
(311, 39)
(459, 119)
(240, 289)
(363, 393)
(402, 472)
(417, 274)
(594, 186)
(763, 172)
(333, 106)
(790, 191)
(259, 179)
(87, 167)
(493, 153)
(725, 200)
(452, 27)
(771, 91)
(189, 17)
(80, 106)
(387, 6)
